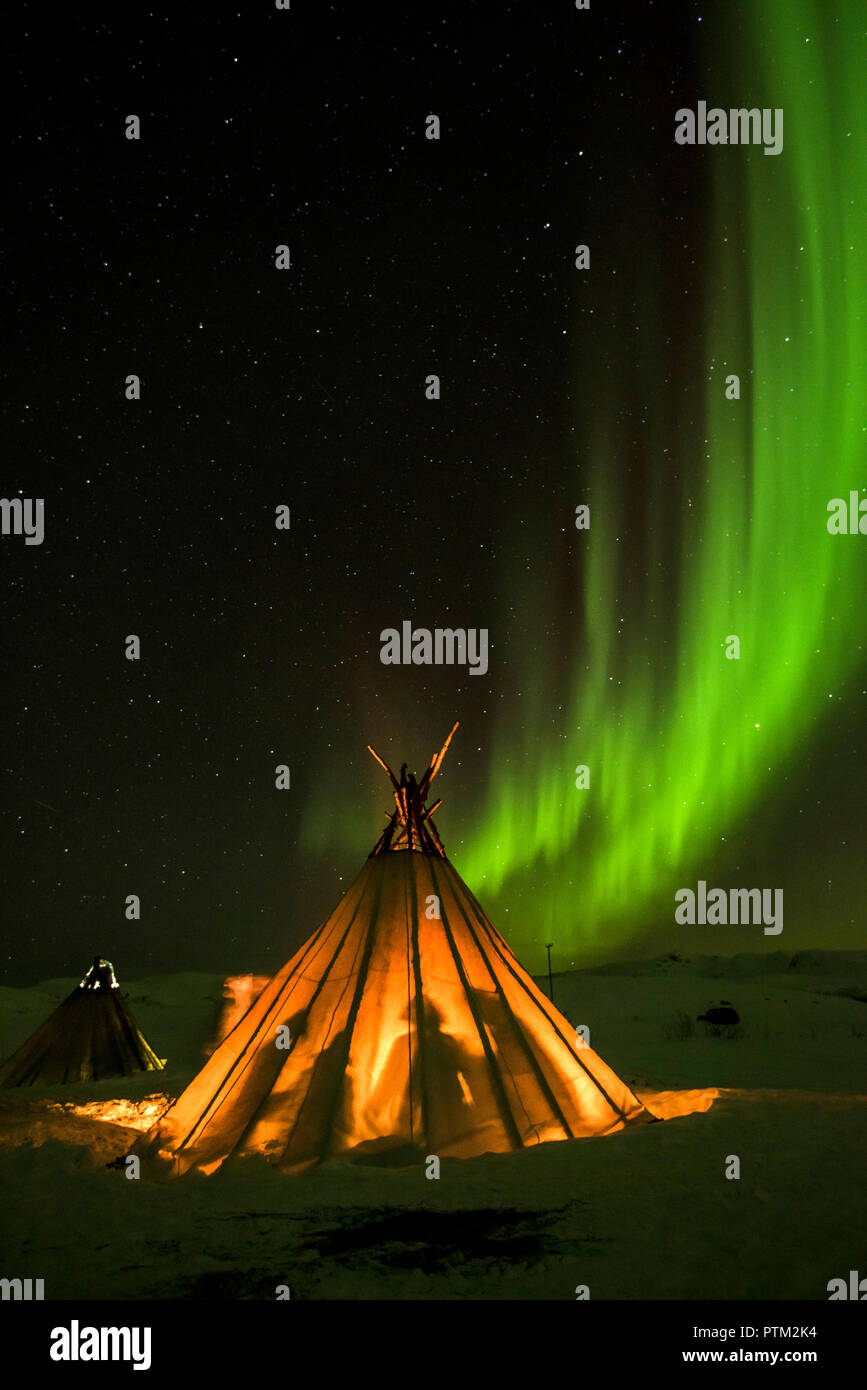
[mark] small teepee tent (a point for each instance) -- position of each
(403, 1027)
(91, 1035)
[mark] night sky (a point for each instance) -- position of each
(306, 387)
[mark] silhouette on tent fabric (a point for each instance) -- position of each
(413, 1030)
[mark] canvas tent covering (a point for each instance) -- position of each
(408, 1028)
(91, 1035)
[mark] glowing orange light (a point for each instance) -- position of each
(239, 992)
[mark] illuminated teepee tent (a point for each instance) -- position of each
(403, 1027)
(91, 1035)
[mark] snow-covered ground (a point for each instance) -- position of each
(646, 1213)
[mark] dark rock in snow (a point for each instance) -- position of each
(721, 1015)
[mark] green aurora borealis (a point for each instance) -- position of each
(708, 518)
(681, 742)
(561, 386)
